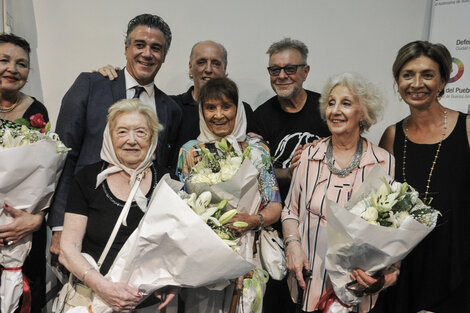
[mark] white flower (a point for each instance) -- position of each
(396, 187)
(191, 200)
(370, 214)
(360, 207)
(384, 199)
(200, 178)
(401, 217)
(202, 202)
(414, 197)
(61, 148)
(227, 172)
(9, 141)
(236, 162)
(214, 178)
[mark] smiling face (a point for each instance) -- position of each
(14, 67)
(206, 62)
(288, 86)
(343, 112)
(420, 82)
(145, 53)
(131, 138)
(220, 115)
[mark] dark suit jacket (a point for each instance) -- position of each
(81, 123)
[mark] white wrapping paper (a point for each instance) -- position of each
(28, 177)
(242, 193)
(355, 243)
(172, 246)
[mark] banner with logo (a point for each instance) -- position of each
(450, 25)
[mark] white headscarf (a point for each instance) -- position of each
(109, 155)
(238, 134)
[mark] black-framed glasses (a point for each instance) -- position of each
(290, 69)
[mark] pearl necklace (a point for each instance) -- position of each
(347, 170)
(10, 108)
(428, 183)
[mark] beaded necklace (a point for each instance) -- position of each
(354, 162)
(428, 183)
(12, 107)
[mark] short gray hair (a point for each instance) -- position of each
(224, 51)
(152, 21)
(370, 97)
(134, 105)
(288, 43)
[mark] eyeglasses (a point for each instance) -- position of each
(290, 69)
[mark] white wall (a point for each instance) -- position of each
(69, 37)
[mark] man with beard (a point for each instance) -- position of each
(290, 119)
(287, 122)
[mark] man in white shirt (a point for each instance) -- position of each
(82, 116)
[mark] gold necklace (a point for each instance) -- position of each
(10, 108)
(428, 183)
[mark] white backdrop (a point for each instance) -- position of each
(69, 37)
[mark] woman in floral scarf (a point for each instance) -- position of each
(222, 116)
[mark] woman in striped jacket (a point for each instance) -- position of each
(332, 169)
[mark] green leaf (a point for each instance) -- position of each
(22, 121)
(48, 127)
(404, 204)
(404, 188)
(246, 153)
(223, 145)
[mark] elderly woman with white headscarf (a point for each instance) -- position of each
(99, 193)
(222, 115)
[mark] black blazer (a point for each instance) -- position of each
(81, 123)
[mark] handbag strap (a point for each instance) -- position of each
(123, 214)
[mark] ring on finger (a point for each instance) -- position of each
(9, 243)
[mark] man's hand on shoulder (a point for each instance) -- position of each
(108, 71)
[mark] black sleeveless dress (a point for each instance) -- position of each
(435, 276)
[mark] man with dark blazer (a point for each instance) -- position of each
(82, 116)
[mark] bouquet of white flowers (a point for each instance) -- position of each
(392, 204)
(379, 226)
(240, 189)
(215, 216)
(172, 246)
(31, 165)
(217, 166)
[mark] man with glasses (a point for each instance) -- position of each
(287, 122)
(291, 118)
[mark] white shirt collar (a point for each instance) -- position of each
(131, 83)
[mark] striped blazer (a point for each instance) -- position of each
(312, 182)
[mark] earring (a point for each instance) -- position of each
(361, 124)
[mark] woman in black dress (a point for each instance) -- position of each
(98, 195)
(432, 152)
(14, 70)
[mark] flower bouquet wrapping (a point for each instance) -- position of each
(228, 176)
(379, 226)
(30, 168)
(172, 246)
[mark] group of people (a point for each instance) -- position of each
(314, 141)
